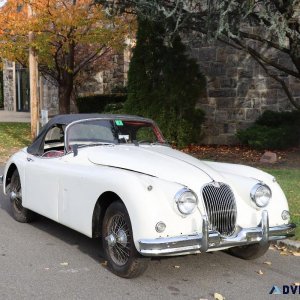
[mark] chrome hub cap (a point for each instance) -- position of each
(122, 237)
(111, 240)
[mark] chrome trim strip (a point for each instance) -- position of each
(213, 240)
(1, 179)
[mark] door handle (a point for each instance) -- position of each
(29, 159)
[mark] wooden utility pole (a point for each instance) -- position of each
(33, 75)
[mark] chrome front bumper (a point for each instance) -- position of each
(209, 239)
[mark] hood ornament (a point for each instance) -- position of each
(216, 184)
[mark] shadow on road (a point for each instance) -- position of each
(91, 247)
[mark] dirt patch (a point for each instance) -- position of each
(243, 155)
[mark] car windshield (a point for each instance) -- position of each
(120, 131)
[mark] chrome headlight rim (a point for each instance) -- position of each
(253, 194)
(178, 198)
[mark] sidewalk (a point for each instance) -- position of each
(12, 116)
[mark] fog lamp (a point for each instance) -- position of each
(285, 215)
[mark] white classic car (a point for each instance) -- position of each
(115, 177)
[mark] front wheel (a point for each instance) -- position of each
(249, 252)
(121, 254)
(20, 213)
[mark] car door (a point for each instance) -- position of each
(42, 185)
(42, 176)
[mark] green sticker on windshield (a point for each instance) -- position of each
(119, 122)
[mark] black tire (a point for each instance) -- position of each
(122, 257)
(20, 214)
(249, 252)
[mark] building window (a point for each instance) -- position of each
(22, 89)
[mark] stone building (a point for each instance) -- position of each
(16, 90)
(16, 85)
(238, 90)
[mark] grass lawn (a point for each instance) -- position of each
(14, 136)
(289, 180)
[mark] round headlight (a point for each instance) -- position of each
(186, 201)
(261, 194)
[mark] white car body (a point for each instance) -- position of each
(146, 178)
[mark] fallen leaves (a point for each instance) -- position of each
(176, 267)
(285, 251)
(104, 264)
(64, 264)
(268, 263)
(218, 296)
(230, 153)
(260, 272)
(296, 284)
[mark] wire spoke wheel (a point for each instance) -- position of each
(16, 193)
(118, 240)
(20, 213)
(123, 258)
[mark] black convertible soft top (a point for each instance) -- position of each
(37, 147)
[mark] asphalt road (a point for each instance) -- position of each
(45, 260)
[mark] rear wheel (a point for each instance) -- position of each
(122, 256)
(249, 252)
(20, 213)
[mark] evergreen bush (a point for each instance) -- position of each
(273, 130)
(99, 103)
(164, 84)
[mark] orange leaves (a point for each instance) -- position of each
(56, 25)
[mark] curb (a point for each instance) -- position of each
(290, 244)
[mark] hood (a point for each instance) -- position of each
(159, 161)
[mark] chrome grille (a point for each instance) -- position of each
(220, 207)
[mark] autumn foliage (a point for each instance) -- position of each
(69, 36)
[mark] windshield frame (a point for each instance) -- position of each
(66, 142)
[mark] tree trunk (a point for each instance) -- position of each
(64, 96)
(66, 82)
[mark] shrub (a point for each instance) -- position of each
(164, 84)
(273, 130)
(277, 119)
(98, 103)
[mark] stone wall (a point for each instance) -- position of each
(108, 81)
(238, 91)
(48, 96)
(8, 86)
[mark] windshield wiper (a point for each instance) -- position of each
(96, 144)
(137, 143)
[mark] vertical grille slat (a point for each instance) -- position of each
(221, 207)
